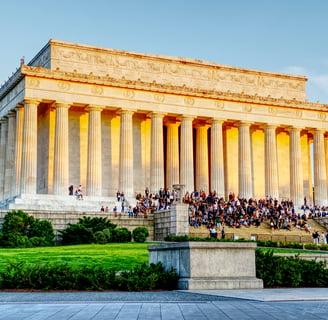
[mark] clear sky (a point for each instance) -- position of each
(287, 36)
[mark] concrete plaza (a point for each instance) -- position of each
(219, 304)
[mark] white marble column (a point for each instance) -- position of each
(217, 162)
(245, 161)
(320, 180)
(271, 162)
(296, 173)
(10, 155)
(94, 172)
(202, 179)
(30, 147)
(156, 153)
(126, 153)
(61, 161)
(3, 147)
(18, 148)
(187, 154)
(172, 154)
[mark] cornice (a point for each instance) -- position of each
(12, 81)
(57, 74)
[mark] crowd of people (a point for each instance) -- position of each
(213, 211)
(216, 213)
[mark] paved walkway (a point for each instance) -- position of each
(265, 304)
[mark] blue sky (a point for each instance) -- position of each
(287, 36)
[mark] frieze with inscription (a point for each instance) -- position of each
(173, 70)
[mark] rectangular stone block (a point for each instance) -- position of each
(264, 237)
(306, 239)
(293, 238)
(278, 237)
(207, 265)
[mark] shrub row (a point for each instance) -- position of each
(269, 243)
(23, 231)
(99, 230)
(19, 275)
(280, 244)
(292, 245)
(173, 238)
(313, 246)
(278, 271)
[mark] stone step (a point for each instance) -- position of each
(41, 202)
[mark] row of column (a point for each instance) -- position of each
(18, 155)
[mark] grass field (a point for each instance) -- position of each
(120, 256)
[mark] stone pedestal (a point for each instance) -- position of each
(173, 221)
(207, 265)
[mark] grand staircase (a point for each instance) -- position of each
(47, 202)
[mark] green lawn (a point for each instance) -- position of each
(120, 256)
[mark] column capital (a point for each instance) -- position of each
(126, 111)
(186, 117)
(11, 114)
(244, 124)
(217, 120)
(61, 105)
(92, 107)
(4, 119)
(202, 125)
(157, 114)
(172, 123)
(295, 129)
(19, 106)
(319, 131)
(270, 126)
(31, 101)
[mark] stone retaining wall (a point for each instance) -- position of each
(60, 220)
(307, 238)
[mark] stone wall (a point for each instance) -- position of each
(60, 220)
(323, 221)
(160, 224)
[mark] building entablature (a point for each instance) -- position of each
(173, 103)
(160, 88)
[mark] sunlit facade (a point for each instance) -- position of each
(116, 120)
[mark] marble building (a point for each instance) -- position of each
(116, 120)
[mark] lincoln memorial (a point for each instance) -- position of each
(116, 120)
